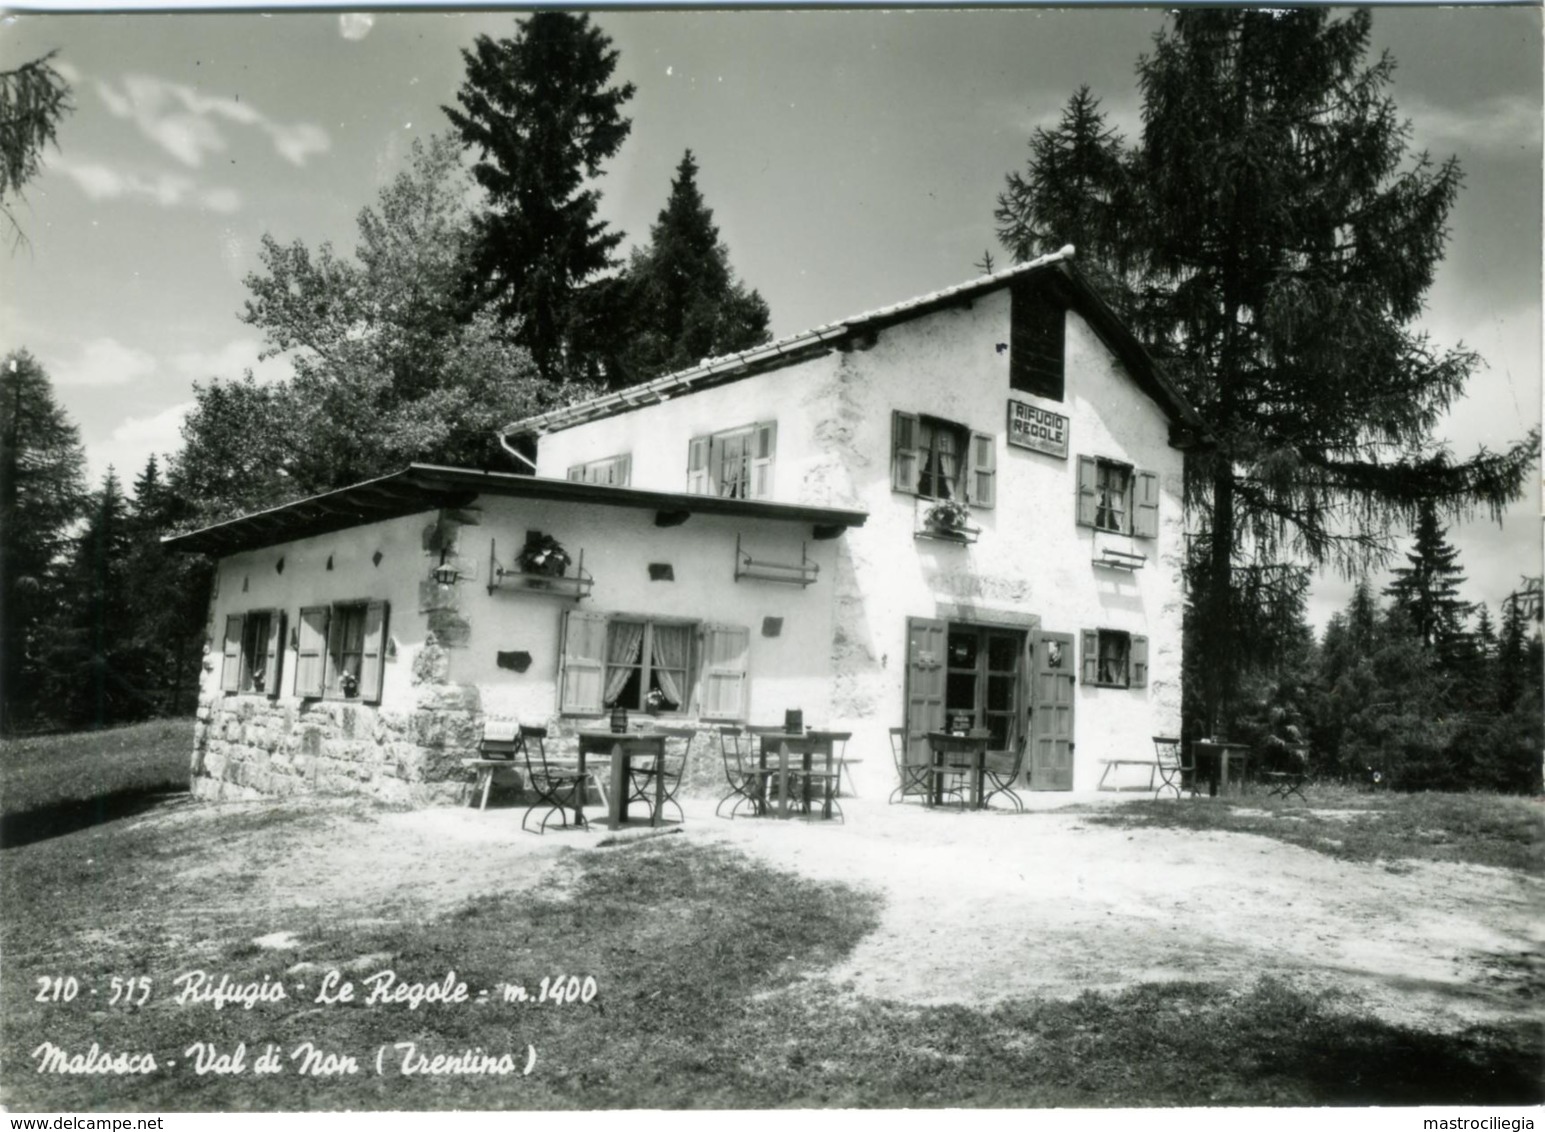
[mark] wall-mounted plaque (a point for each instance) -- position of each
(1038, 429)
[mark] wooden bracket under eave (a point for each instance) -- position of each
(671, 518)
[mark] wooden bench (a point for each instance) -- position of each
(1151, 764)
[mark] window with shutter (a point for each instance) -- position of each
(614, 471)
(697, 465)
(311, 652)
(984, 470)
(762, 460)
(373, 652)
(1106, 493)
(230, 666)
(1088, 492)
(583, 678)
(273, 661)
(1139, 665)
(1089, 656)
(1145, 516)
(904, 451)
(725, 650)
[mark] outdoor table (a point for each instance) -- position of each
(783, 745)
(624, 747)
(943, 744)
(486, 769)
(1220, 753)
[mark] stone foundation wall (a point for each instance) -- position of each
(251, 746)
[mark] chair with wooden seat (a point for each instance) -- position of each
(912, 780)
(1001, 774)
(671, 767)
(559, 788)
(1288, 771)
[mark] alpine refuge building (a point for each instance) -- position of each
(963, 508)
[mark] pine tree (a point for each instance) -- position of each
(33, 99)
(1427, 591)
(1270, 241)
(540, 111)
(684, 302)
(42, 494)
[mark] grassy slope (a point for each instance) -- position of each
(1478, 829)
(703, 961)
(51, 770)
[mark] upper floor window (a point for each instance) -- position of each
(735, 464)
(1113, 496)
(937, 459)
(1037, 340)
(614, 471)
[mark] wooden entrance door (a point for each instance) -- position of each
(926, 640)
(1051, 720)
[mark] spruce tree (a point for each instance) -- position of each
(1270, 240)
(684, 302)
(541, 112)
(1427, 591)
(42, 495)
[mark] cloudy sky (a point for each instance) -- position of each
(852, 160)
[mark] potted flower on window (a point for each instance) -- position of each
(349, 683)
(543, 554)
(654, 701)
(948, 516)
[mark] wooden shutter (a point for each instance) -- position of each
(1137, 662)
(622, 470)
(230, 667)
(725, 649)
(583, 678)
(1091, 656)
(1145, 496)
(764, 449)
(577, 473)
(904, 451)
(981, 488)
(1088, 491)
(697, 465)
(311, 652)
(926, 646)
(273, 660)
(372, 661)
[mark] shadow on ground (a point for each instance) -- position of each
(60, 818)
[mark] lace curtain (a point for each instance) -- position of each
(627, 640)
(669, 650)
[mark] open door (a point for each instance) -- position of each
(1053, 673)
(926, 641)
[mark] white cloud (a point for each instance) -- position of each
(133, 442)
(355, 25)
(103, 362)
(186, 123)
(1503, 124)
(168, 190)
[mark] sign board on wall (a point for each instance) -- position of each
(1038, 429)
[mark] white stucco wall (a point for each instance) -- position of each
(790, 670)
(1031, 560)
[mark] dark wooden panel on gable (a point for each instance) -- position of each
(1037, 337)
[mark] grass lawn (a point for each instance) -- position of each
(1479, 829)
(87, 766)
(703, 963)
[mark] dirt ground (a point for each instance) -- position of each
(984, 906)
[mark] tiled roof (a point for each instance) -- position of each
(714, 371)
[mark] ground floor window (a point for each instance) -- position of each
(648, 663)
(1115, 659)
(253, 652)
(340, 651)
(632, 661)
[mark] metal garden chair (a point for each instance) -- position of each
(1001, 773)
(748, 782)
(559, 788)
(672, 767)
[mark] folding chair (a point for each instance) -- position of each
(559, 788)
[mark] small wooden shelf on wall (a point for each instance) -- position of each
(576, 585)
(801, 573)
(1119, 559)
